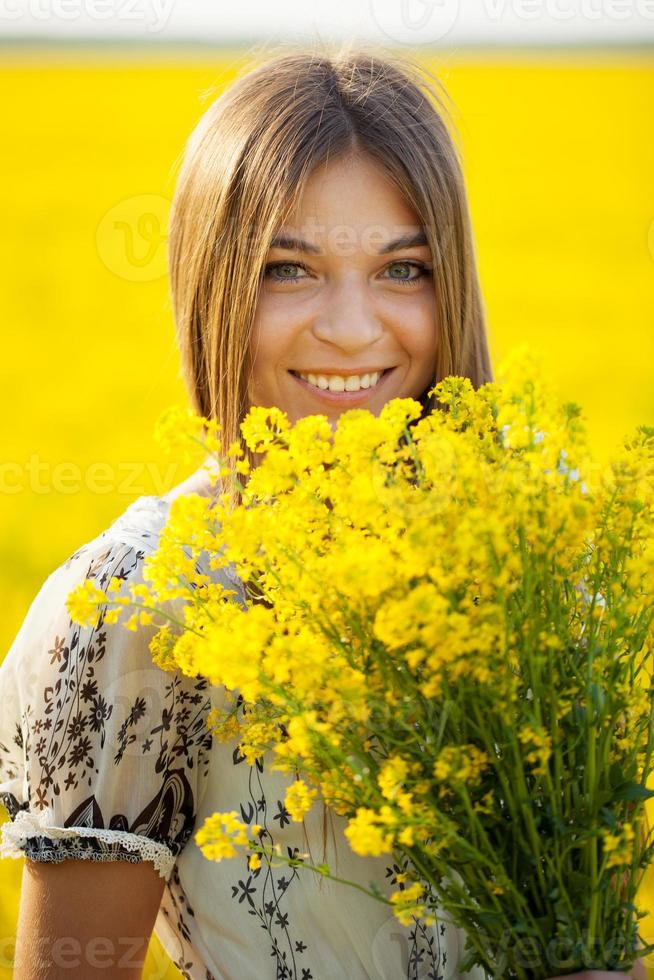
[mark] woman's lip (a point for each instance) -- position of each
(343, 397)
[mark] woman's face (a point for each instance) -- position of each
(345, 300)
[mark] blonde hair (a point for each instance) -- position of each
(246, 165)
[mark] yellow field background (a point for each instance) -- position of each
(559, 156)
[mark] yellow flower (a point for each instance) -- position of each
(83, 603)
(460, 763)
(220, 835)
(162, 647)
(542, 742)
(391, 776)
(392, 571)
(618, 847)
(406, 903)
(364, 836)
(181, 432)
(223, 729)
(298, 800)
(262, 426)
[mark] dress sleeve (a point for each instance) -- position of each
(103, 755)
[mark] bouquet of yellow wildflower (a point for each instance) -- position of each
(449, 641)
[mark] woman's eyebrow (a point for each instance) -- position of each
(299, 245)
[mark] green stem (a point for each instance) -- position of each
(156, 609)
(319, 869)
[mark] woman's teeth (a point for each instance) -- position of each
(337, 382)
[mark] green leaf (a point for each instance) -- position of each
(609, 817)
(598, 697)
(490, 918)
(632, 791)
(616, 775)
(562, 912)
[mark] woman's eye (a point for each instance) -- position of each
(274, 269)
(422, 271)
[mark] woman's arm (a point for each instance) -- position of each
(83, 918)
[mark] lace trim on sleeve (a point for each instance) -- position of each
(26, 835)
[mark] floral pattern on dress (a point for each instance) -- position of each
(63, 730)
(177, 905)
(264, 889)
(422, 954)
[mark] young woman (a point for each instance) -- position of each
(321, 258)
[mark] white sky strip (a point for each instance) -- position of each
(402, 22)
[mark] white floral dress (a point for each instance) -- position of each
(104, 756)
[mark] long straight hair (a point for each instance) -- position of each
(246, 164)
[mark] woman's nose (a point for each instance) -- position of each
(348, 318)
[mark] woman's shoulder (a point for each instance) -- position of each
(102, 753)
(118, 550)
(138, 526)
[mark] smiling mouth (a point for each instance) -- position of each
(327, 390)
